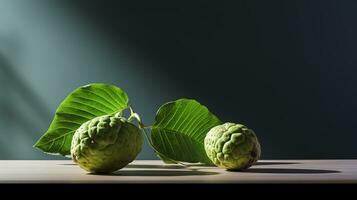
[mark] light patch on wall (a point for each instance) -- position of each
(46, 51)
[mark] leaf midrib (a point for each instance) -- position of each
(63, 135)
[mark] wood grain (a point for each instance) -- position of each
(154, 171)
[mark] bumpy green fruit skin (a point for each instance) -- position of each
(106, 144)
(232, 146)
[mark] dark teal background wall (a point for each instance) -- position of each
(285, 68)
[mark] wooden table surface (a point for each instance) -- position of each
(154, 171)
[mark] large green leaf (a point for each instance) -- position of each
(180, 128)
(83, 104)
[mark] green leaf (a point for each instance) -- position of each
(83, 104)
(180, 128)
(165, 159)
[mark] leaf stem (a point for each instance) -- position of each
(134, 115)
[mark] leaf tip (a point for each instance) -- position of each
(36, 143)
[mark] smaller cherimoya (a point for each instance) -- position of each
(232, 146)
(106, 144)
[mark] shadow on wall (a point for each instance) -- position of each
(19, 124)
(286, 69)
